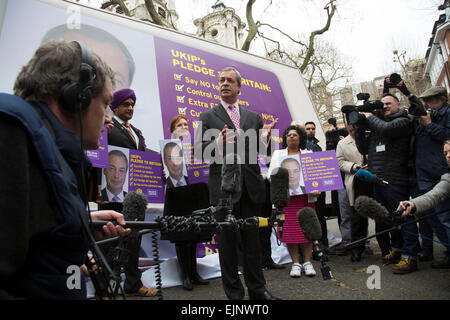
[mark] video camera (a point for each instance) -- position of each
(353, 112)
(416, 107)
(332, 137)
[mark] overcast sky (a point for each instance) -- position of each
(365, 31)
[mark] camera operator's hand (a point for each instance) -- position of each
(367, 114)
(386, 85)
(403, 89)
(425, 120)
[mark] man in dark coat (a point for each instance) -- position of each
(387, 146)
(212, 142)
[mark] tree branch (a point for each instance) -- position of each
(252, 26)
(315, 33)
(152, 11)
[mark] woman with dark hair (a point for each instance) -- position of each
(294, 143)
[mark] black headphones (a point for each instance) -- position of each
(76, 96)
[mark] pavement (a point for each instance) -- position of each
(366, 280)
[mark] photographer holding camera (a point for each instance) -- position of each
(430, 128)
(384, 135)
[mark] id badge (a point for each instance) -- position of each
(381, 148)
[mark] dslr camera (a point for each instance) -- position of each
(354, 117)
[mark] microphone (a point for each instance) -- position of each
(307, 218)
(370, 208)
(369, 177)
(308, 221)
(279, 188)
(134, 206)
(231, 174)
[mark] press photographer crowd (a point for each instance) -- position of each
(393, 161)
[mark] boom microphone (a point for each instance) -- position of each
(369, 177)
(370, 208)
(134, 206)
(307, 218)
(231, 174)
(279, 188)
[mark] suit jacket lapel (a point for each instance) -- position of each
(243, 114)
(123, 130)
(223, 115)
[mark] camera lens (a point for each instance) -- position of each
(395, 78)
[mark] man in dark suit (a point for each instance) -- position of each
(125, 135)
(211, 143)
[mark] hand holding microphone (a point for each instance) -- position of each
(407, 207)
(370, 208)
(110, 229)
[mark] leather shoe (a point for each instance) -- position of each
(266, 295)
(405, 266)
(199, 280)
(187, 284)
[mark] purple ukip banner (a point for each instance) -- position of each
(187, 79)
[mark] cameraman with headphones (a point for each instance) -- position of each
(385, 138)
(57, 111)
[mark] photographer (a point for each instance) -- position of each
(431, 129)
(384, 136)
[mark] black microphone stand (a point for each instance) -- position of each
(396, 226)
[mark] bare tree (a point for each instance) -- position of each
(254, 30)
(149, 5)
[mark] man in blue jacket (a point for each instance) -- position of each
(430, 132)
(43, 233)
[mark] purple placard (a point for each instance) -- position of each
(197, 171)
(145, 175)
(99, 157)
(207, 248)
(321, 171)
(187, 80)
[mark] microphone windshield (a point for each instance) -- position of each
(370, 208)
(364, 175)
(134, 206)
(279, 187)
(307, 218)
(231, 174)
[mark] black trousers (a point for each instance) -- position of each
(130, 255)
(265, 233)
(228, 257)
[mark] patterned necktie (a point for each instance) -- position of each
(180, 183)
(235, 117)
(115, 199)
(128, 128)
